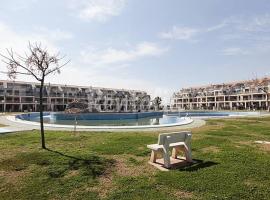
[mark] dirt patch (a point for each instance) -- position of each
(265, 147)
(182, 194)
(214, 123)
(141, 148)
(104, 187)
(211, 149)
(240, 144)
(124, 167)
(245, 142)
(6, 154)
(72, 173)
(107, 186)
(13, 177)
(251, 183)
(209, 126)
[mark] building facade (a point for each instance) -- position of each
(18, 96)
(242, 95)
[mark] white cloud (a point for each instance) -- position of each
(97, 10)
(53, 35)
(234, 27)
(17, 6)
(112, 55)
(234, 51)
(179, 33)
(246, 28)
(78, 73)
(217, 27)
(259, 23)
(10, 38)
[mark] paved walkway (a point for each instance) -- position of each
(13, 126)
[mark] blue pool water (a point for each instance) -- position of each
(211, 114)
(127, 119)
(104, 119)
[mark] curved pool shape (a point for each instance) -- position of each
(105, 120)
(212, 114)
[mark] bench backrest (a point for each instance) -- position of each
(174, 137)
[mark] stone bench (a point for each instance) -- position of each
(177, 141)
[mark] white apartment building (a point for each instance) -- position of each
(20, 96)
(243, 95)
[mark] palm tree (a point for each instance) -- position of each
(119, 96)
(157, 102)
(263, 88)
(138, 103)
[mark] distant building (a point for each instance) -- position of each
(20, 96)
(243, 95)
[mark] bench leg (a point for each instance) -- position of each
(175, 152)
(188, 154)
(166, 157)
(153, 157)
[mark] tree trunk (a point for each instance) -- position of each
(119, 105)
(41, 115)
(267, 103)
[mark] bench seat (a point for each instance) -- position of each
(157, 147)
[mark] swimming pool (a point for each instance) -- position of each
(123, 120)
(212, 114)
(147, 119)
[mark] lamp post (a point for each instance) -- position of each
(35, 105)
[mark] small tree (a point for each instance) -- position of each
(38, 64)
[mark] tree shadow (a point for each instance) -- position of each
(196, 165)
(66, 155)
(92, 166)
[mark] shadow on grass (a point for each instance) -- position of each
(198, 164)
(92, 166)
(67, 156)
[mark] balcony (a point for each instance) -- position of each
(27, 101)
(58, 103)
(55, 95)
(259, 98)
(12, 101)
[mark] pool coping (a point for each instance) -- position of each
(16, 120)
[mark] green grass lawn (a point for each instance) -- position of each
(114, 165)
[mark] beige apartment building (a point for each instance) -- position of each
(242, 95)
(24, 96)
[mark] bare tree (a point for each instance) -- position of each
(38, 63)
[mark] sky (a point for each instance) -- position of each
(158, 46)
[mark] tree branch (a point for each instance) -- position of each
(12, 60)
(57, 68)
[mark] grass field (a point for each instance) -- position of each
(114, 165)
